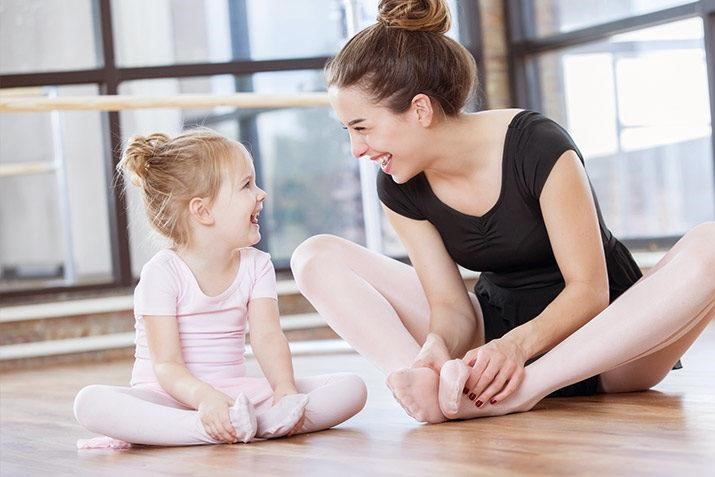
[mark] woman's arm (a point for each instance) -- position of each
(452, 317)
(571, 221)
(271, 346)
(162, 334)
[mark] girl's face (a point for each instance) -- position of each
(395, 141)
(238, 203)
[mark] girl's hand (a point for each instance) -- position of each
(497, 371)
(279, 393)
(213, 411)
(282, 391)
(433, 354)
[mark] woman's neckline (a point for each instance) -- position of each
(493, 208)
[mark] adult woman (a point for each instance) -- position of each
(505, 193)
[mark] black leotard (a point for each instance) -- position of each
(509, 244)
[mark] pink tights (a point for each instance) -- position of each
(143, 416)
(379, 306)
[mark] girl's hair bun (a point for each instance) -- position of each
(139, 153)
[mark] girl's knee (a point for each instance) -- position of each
(87, 404)
(356, 389)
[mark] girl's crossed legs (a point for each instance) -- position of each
(142, 416)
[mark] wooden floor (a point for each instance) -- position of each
(669, 432)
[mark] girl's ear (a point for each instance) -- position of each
(199, 211)
(422, 108)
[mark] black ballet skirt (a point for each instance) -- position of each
(509, 244)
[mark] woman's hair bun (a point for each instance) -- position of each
(415, 15)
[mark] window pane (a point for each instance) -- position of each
(637, 106)
(204, 31)
(557, 16)
(302, 156)
(54, 227)
(37, 35)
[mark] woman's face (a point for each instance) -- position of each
(395, 141)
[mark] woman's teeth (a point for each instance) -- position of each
(385, 159)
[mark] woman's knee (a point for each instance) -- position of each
(701, 246)
(319, 249)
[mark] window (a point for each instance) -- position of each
(93, 47)
(637, 105)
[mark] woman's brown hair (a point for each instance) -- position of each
(172, 171)
(406, 53)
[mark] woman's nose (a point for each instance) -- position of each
(358, 147)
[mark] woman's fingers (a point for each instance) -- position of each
(485, 380)
(496, 385)
(475, 374)
(510, 387)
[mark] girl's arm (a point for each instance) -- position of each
(271, 346)
(162, 334)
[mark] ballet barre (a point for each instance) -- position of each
(12, 104)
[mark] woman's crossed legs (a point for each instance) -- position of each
(377, 305)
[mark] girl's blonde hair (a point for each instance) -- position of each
(172, 171)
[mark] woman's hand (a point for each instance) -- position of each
(213, 411)
(497, 371)
(434, 353)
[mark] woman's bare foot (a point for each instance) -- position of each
(416, 391)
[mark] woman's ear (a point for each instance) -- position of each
(199, 211)
(422, 108)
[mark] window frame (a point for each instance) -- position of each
(524, 75)
(109, 76)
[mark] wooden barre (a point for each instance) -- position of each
(25, 168)
(121, 102)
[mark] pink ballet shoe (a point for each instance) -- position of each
(102, 442)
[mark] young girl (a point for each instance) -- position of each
(192, 305)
